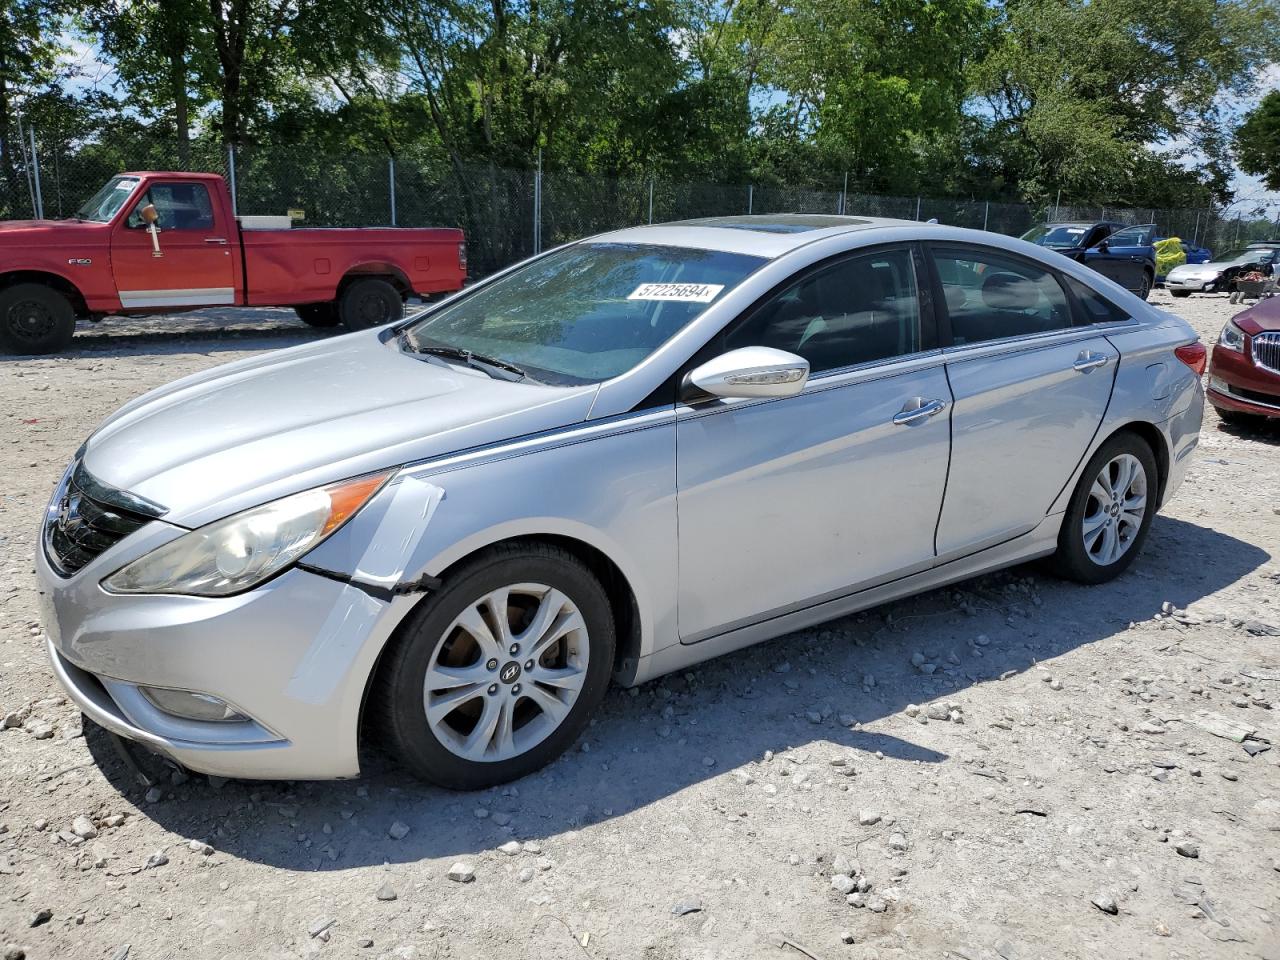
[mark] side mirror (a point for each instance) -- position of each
(752, 372)
(149, 214)
(1102, 246)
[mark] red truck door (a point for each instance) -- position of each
(197, 262)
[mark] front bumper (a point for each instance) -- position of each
(1236, 383)
(1193, 284)
(293, 656)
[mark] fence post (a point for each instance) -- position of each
(844, 195)
(1195, 233)
(35, 169)
(651, 200)
(537, 206)
(917, 209)
(231, 179)
(751, 197)
(391, 179)
(986, 214)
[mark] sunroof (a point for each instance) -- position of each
(781, 223)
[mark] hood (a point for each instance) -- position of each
(241, 434)
(1209, 266)
(1263, 317)
(23, 231)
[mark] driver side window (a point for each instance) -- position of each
(181, 206)
(854, 311)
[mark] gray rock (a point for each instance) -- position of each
(398, 830)
(526, 874)
(937, 711)
(14, 952)
(813, 716)
(41, 917)
(863, 885)
(1188, 849)
(200, 847)
(364, 942)
(154, 795)
(320, 926)
(877, 904)
(1106, 903)
(868, 818)
(692, 905)
(842, 884)
(386, 893)
(462, 872)
(83, 828)
(1055, 684)
(843, 864)
(917, 659)
(847, 937)
(157, 859)
(897, 842)
(40, 729)
(856, 900)
(510, 848)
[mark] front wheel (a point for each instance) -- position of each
(319, 315)
(497, 673)
(35, 319)
(370, 302)
(1109, 513)
(1147, 283)
(1181, 293)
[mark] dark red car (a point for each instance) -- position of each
(1244, 374)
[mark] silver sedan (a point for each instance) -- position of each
(612, 461)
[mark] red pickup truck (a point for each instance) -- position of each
(159, 242)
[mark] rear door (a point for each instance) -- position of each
(195, 265)
(1030, 387)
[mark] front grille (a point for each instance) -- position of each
(1266, 351)
(1254, 396)
(87, 518)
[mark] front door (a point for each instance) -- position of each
(1030, 389)
(1125, 257)
(195, 266)
(786, 502)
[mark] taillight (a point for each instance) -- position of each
(1193, 355)
(462, 257)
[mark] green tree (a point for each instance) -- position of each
(1257, 141)
(29, 51)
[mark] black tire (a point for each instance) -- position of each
(1237, 418)
(370, 302)
(35, 319)
(396, 700)
(1148, 281)
(1072, 559)
(1181, 293)
(319, 315)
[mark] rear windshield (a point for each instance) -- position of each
(588, 312)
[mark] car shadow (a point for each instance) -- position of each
(1262, 430)
(803, 696)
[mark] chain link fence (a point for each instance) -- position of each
(510, 214)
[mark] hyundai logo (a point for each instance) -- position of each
(510, 672)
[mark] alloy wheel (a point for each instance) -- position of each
(506, 672)
(1115, 509)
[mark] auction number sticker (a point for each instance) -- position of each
(684, 292)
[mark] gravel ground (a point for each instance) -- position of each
(1054, 795)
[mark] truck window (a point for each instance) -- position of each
(181, 206)
(102, 206)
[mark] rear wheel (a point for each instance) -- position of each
(1147, 283)
(35, 319)
(497, 673)
(1181, 293)
(320, 315)
(1109, 513)
(370, 302)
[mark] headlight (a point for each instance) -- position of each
(1231, 337)
(241, 551)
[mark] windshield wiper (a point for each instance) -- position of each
(494, 366)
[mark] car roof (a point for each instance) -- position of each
(761, 235)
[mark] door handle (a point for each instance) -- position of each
(925, 409)
(1089, 361)
(221, 240)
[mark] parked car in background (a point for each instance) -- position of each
(452, 532)
(1124, 254)
(1216, 275)
(1244, 372)
(161, 242)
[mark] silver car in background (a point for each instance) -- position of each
(615, 460)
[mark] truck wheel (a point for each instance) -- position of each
(318, 314)
(35, 319)
(370, 303)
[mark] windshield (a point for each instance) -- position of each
(588, 312)
(102, 206)
(1247, 256)
(1057, 236)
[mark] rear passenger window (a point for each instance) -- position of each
(1096, 307)
(855, 311)
(991, 297)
